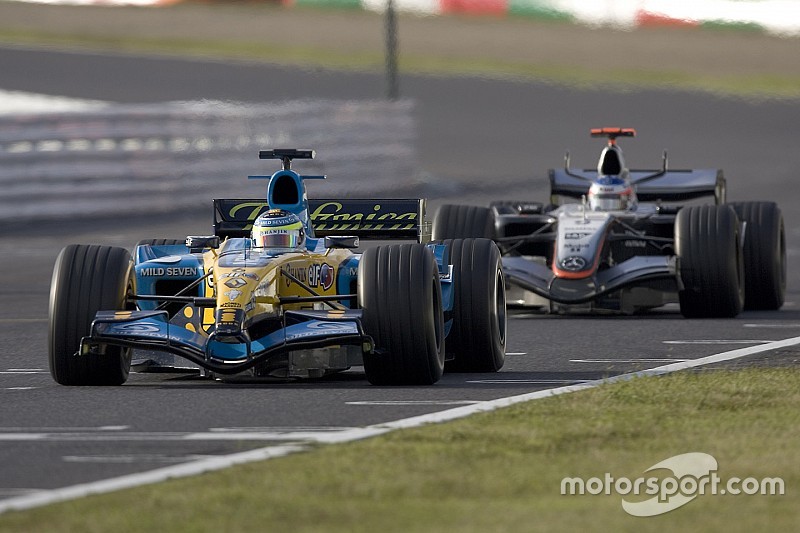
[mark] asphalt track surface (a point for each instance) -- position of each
(479, 139)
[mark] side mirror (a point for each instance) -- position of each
(198, 243)
(341, 242)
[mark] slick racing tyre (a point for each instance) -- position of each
(87, 279)
(161, 242)
(764, 254)
(463, 221)
(400, 295)
(477, 338)
(710, 258)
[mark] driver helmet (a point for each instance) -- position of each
(611, 193)
(278, 229)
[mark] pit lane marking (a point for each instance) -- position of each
(47, 497)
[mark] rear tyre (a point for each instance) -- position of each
(87, 279)
(401, 299)
(161, 242)
(462, 222)
(710, 258)
(764, 255)
(477, 338)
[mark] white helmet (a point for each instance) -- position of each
(611, 193)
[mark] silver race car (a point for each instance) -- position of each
(619, 240)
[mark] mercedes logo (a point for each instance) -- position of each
(573, 263)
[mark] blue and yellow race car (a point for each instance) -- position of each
(279, 291)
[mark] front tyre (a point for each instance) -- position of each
(764, 254)
(87, 279)
(710, 258)
(400, 295)
(477, 338)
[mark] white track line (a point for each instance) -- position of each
(794, 325)
(718, 341)
(47, 497)
(631, 361)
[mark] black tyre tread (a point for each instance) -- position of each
(454, 221)
(160, 242)
(764, 255)
(710, 259)
(86, 279)
(477, 335)
(400, 295)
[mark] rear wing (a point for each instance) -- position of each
(384, 219)
(650, 185)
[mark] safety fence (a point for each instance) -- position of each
(159, 157)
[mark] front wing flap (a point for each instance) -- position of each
(151, 330)
(540, 280)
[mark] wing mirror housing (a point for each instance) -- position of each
(198, 243)
(349, 242)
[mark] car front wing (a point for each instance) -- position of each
(541, 280)
(151, 330)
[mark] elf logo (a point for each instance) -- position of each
(321, 276)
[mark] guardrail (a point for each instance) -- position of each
(160, 157)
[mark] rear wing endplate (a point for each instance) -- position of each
(384, 219)
(650, 185)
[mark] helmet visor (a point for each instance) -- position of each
(608, 202)
(278, 239)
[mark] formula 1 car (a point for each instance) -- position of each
(236, 309)
(630, 243)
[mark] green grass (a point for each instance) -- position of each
(750, 85)
(495, 472)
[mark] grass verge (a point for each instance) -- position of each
(495, 472)
(777, 85)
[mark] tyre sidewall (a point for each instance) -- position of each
(87, 279)
(710, 259)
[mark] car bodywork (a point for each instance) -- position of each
(594, 260)
(303, 301)
(564, 256)
(219, 304)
